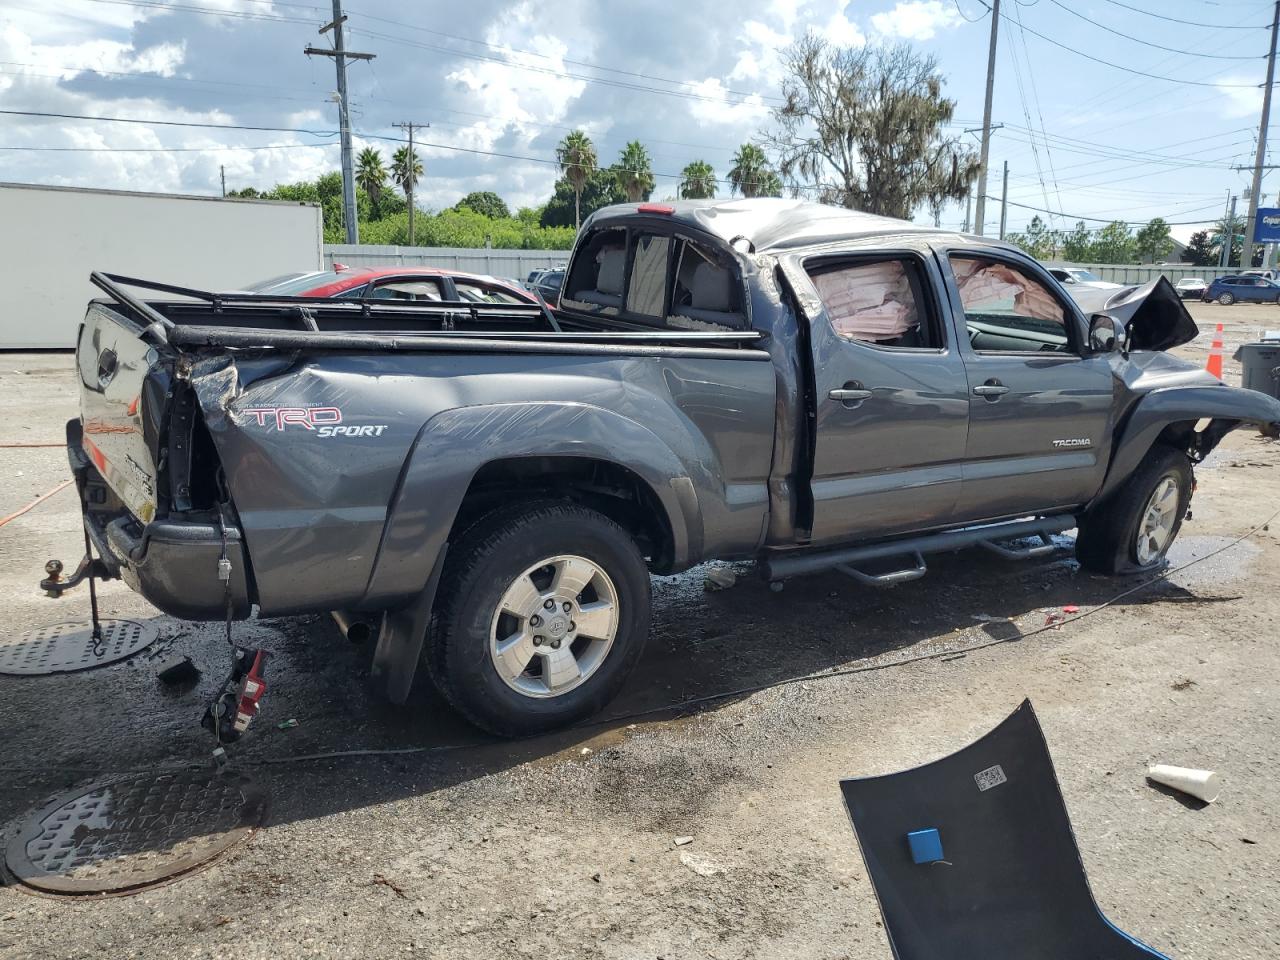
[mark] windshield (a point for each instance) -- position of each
(1085, 275)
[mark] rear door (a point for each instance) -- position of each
(891, 399)
(1039, 406)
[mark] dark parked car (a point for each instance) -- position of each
(762, 379)
(1246, 289)
(547, 286)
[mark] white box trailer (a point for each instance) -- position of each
(51, 238)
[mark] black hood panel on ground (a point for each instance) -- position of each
(1004, 879)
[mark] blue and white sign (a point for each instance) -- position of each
(1267, 227)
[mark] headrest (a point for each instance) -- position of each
(710, 289)
(612, 262)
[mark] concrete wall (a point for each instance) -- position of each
(515, 264)
(52, 237)
(1120, 273)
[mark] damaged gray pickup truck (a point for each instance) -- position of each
(492, 484)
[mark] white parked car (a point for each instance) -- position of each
(1191, 288)
(1079, 277)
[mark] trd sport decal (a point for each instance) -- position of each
(323, 421)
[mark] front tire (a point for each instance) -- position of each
(1133, 530)
(1226, 299)
(543, 612)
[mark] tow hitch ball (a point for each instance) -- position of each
(55, 586)
(233, 709)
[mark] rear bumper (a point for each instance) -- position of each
(173, 563)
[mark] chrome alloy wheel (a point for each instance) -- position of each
(1159, 517)
(554, 626)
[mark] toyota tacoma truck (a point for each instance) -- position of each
(488, 487)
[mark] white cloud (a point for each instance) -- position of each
(916, 19)
(1241, 101)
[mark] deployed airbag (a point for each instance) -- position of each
(972, 856)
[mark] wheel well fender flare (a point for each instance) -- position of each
(1170, 415)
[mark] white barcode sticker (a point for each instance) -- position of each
(990, 777)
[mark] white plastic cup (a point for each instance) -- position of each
(1201, 784)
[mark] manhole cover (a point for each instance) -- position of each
(64, 647)
(133, 832)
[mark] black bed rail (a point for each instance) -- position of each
(230, 323)
(305, 308)
(656, 344)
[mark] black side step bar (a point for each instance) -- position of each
(843, 558)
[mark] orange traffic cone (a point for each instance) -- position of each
(1214, 366)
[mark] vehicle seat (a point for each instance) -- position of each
(608, 291)
(711, 298)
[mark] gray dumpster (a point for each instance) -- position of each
(1261, 362)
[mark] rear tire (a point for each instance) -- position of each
(1132, 531)
(1226, 299)
(508, 662)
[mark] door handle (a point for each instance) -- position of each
(851, 394)
(107, 365)
(992, 390)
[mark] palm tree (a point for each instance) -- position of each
(635, 173)
(750, 171)
(405, 174)
(406, 170)
(576, 155)
(371, 174)
(699, 181)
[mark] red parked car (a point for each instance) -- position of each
(395, 283)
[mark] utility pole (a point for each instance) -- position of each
(340, 57)
(1229, 240)
(1004, 199)
(223, 170)
(968, 209)
(985, 149)
(1246, 257)
(409, 184)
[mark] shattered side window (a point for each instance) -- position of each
(879, 303)
(1005, 310)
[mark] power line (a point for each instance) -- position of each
(210, 11)
(1073, 216)
(1117, 66)
(1191, 23)
(224, 149)
(1148, 43)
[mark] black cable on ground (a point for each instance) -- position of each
(687, 706)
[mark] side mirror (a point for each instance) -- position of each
(1106, 334)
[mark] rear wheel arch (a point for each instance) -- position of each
(610, 488)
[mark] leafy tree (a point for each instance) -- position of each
(1114, 244)
(1153, 241)
(750, 172)
(1200, 250)
(770, 185)
(697, 181)
(1039, 240)
(406, 171)
(576, 155)
(486, 202)
(568, 207)
(867, 125)
(371, 174)
(1076, 245)
(635, 172)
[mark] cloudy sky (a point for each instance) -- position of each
(1144, 116)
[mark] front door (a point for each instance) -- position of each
(890, 393)
(1039, 406)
